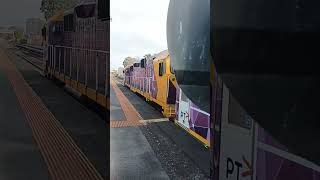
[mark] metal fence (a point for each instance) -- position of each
(145, 84)
(141, 83)
(87, 66)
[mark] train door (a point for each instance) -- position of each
(162, 79)
(184, 110)
(237, 141)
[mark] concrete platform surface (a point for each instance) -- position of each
(20, 157)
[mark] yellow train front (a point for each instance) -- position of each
(153, 79)
(78, 51)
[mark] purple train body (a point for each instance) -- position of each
(151, 84)
(192, 118)
(142, 76)
(139, 74)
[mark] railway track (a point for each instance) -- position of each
(37, 50)
(32, 54)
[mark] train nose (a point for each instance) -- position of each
(188, 38)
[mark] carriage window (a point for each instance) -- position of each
(164, 67)
(131, 68)
(237, 115)
(160, 69)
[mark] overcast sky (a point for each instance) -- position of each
(137, 28)
(15, 12)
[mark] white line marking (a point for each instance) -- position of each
(154, 120)
(199, 110)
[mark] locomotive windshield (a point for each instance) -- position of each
(86, 9)
(143, 63)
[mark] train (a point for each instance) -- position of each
(246, 54)
(153, 78)
(78, 49)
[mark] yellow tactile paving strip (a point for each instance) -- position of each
(132, 116)
(64, 159)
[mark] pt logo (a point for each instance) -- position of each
(235, 167)
(185, 116)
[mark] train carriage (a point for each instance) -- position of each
(80, 59)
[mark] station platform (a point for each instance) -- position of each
(131, 156)
(20, 156)
(35, 142)
(151, 146)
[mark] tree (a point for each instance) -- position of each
(128, 61)
(147, 56)
(50, 7)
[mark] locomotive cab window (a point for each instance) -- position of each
(160, 69)
(56, 29)
(85, 10)
(143, 63)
